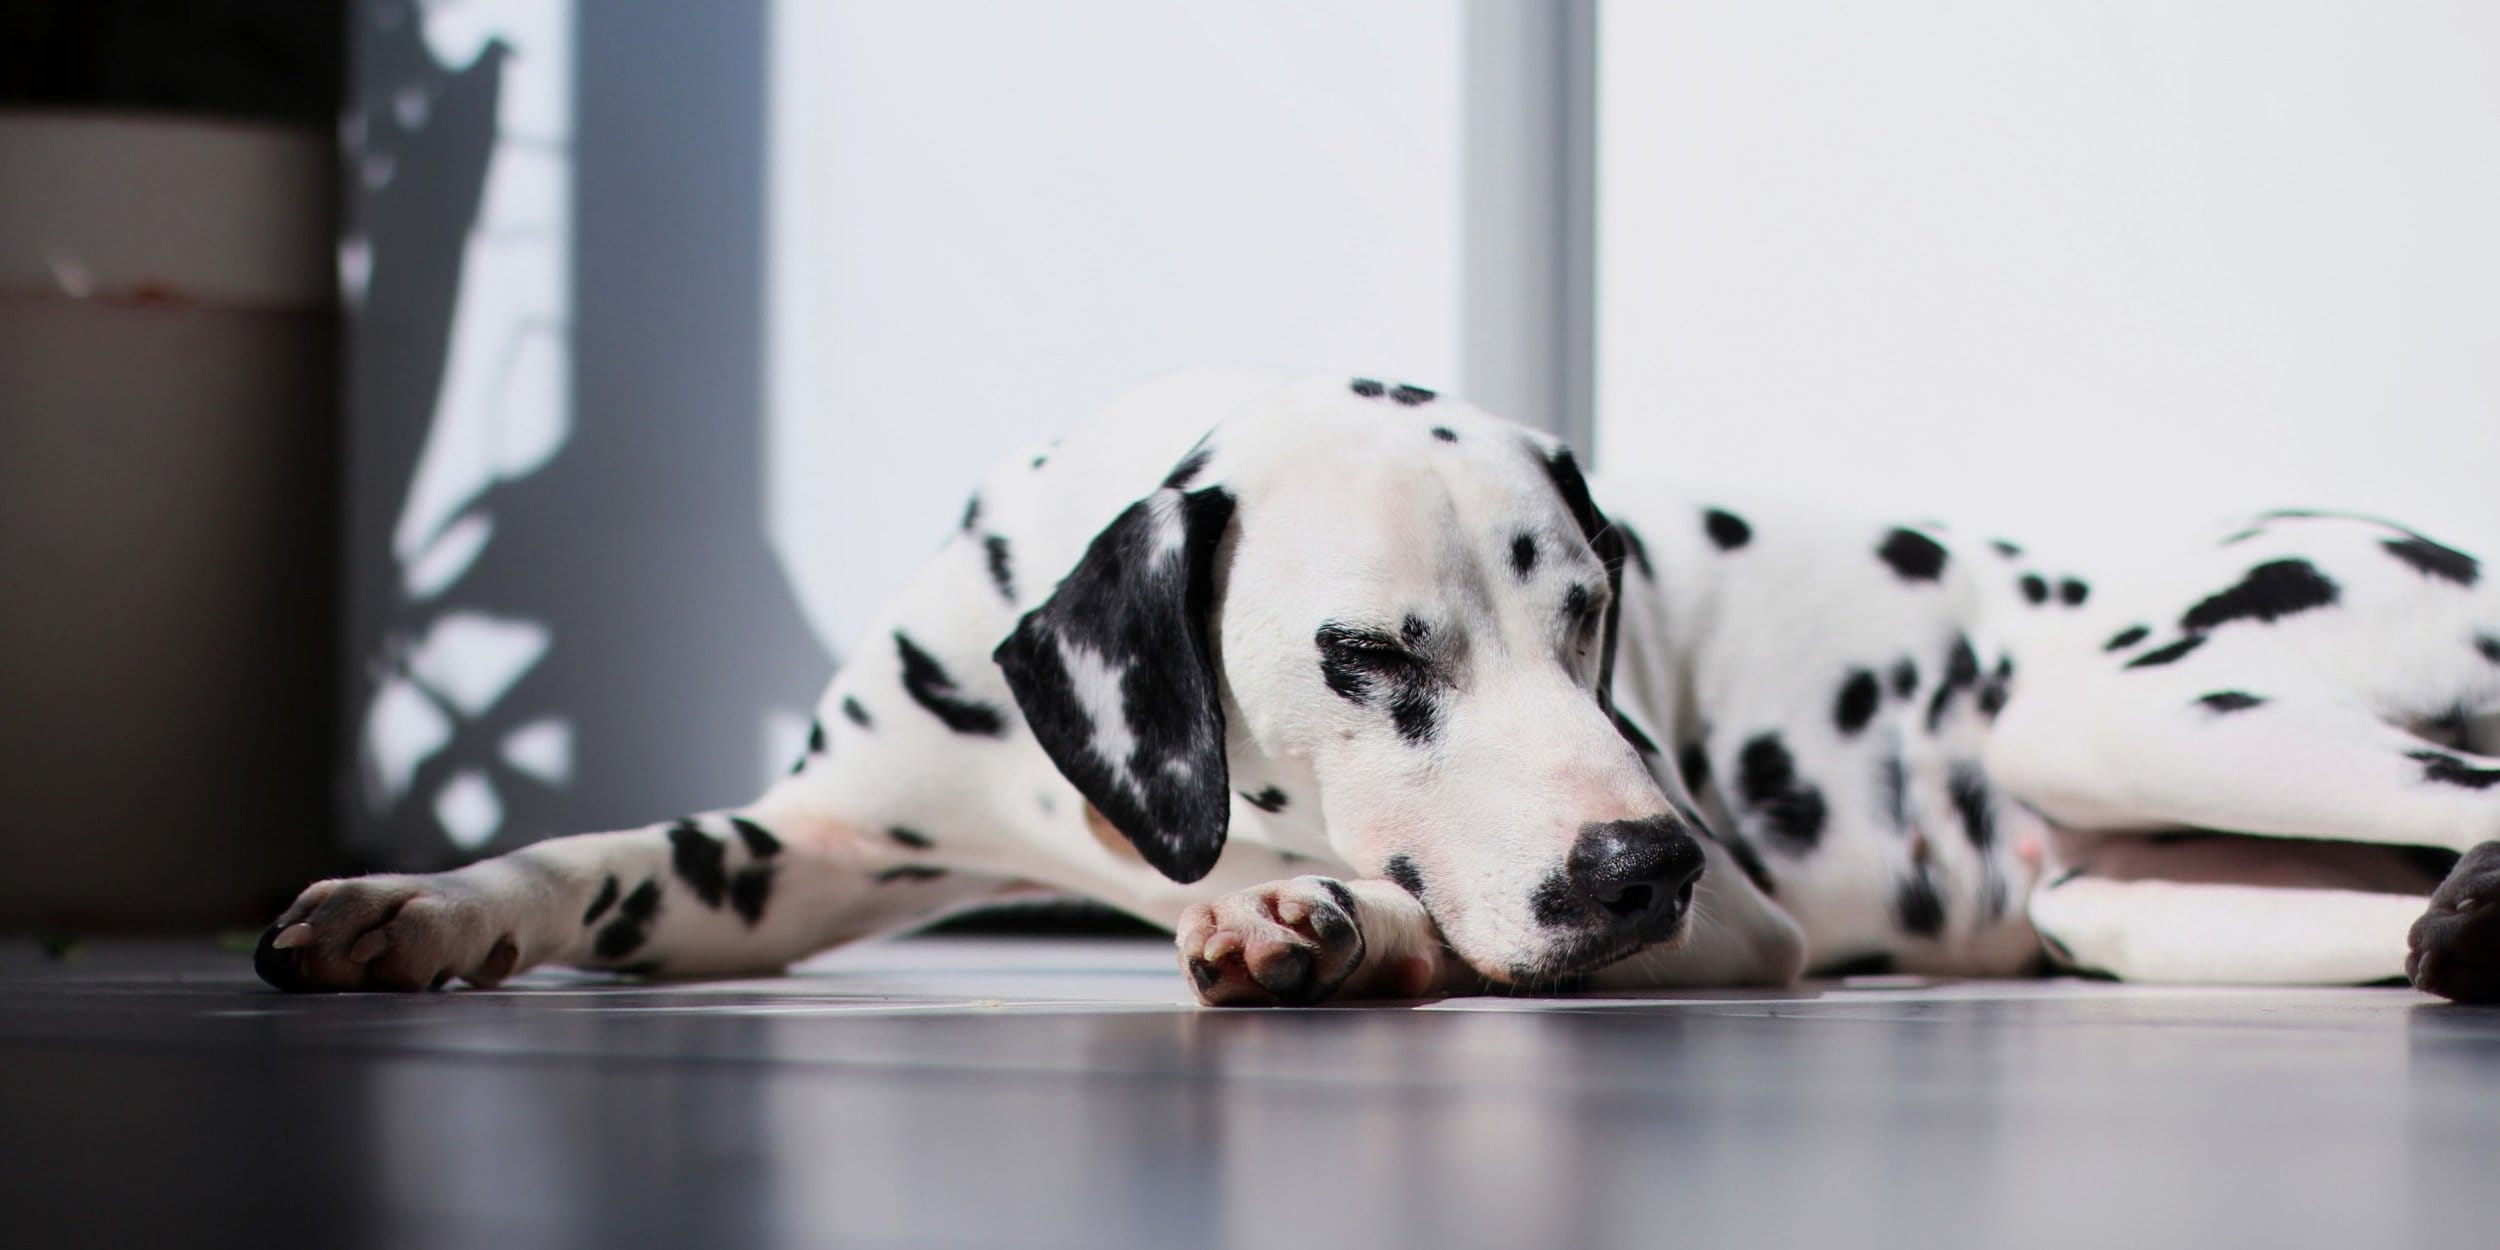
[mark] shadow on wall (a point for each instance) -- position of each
(563, 613)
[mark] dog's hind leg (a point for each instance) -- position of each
(2310, 777)
(2232, 910)
(2274, 765)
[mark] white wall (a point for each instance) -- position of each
(988, 217)
(2058, 269)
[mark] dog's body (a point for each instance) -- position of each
(1369, 699)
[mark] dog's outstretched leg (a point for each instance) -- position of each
(744, 891)
(2281, 765)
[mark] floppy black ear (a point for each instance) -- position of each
(1115, 675)
(1611, 551)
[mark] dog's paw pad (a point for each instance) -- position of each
(2455, 946)
(1286, 942)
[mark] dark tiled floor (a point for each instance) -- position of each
(980, 1092)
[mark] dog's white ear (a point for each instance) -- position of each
(1115, 674)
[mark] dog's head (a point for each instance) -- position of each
(1412, 602)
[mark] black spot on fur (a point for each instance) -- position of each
(1040, 460)
(1445, 433)
(1189, 468)
(815, 737)
(1904, 677)
(2226, 701)
(1726, 529)
(632, 926)
(1403, 871)
(2004, 548)
(1913, 555)
(912, 838)
(1997, 688)
(1631, 733)
(1693, 764)
(1961, 664)
(1411, 395)
(749, 890)
(1766, 778)
(1140, 603)
(2448, 770)
(2126, 638)
(760, 842)
(599, 906)
(1368, 388)
(700, 862)
(972, 515)
(2431, 559)
(1416, 715)
(1961, 672)
(2489, 645)
(2035, 588)
(1859, 697)
(2072, 592)
(1002, 572)
(1991, 698)
(1974, 803)
(1367, 667)
(933, 688)
(857, 715)
(910, 872)
(1916, 906)
(2242, 536)
(2171, 654)
(1892, 782)
(2270, 592)
(1270, 799)
(1523, 555)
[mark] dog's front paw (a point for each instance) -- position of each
(2456, 944)
(385, 933)
(1292, 942)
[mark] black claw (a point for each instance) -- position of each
(1204, 973)
(275, 966)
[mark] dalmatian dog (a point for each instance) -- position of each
(1360, 690)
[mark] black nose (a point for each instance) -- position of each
(1639, 873)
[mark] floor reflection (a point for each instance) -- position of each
(890, 1099)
